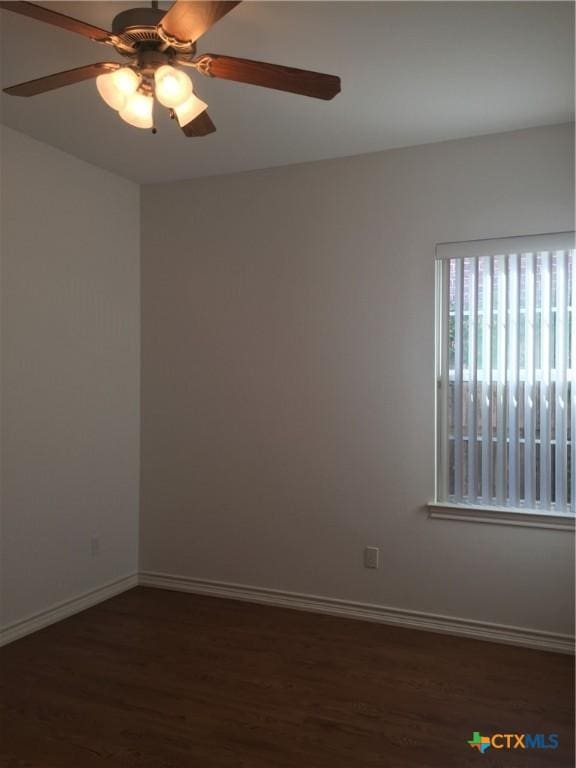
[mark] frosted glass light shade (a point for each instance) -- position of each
(190, 110)
(138, 111)
(115, 87)
(173, 87)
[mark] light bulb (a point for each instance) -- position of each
(138, 111)
(126, 80)
(190, 110)
(115, 87)
(173, 87)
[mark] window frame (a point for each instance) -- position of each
(479, 512)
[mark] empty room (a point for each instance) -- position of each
(288, 384)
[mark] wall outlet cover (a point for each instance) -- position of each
(371, 557)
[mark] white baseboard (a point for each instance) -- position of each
(477, 630)
(65, 609)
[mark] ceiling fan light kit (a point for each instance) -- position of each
(156, 43)
(130, 94)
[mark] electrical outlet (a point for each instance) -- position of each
(371, 557)
(95, 546)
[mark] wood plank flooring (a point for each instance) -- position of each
(157, 679)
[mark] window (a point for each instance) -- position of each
(506, 359)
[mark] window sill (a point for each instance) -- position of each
(501, 516)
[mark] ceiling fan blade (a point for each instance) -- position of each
(200, 126)
(58, 20)
(187, 20)
(60, 79)
(301, 81)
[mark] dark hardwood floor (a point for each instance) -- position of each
(157, 679)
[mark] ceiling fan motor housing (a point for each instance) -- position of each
(136, 28)
(136, 19)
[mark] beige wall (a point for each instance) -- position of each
(70, 376)
(288, 393)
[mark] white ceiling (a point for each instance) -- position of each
(412, 72)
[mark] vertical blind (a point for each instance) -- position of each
(506, 359)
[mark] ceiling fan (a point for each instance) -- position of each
(155, 43)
